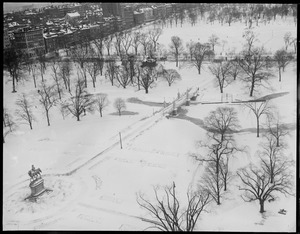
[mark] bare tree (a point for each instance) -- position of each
(200, 52)
(41, 59)
(250, 38)
(213, 40)
(120, 105)
(235, 69)
(123, 75)
(221, 71)
(154, 35)
(272, 157)
(47, 98)
(256, 184)
(144, 41)
(93, 69)
(190, 47)
(166, 212)
(294, 43)
(255, 69)
(222, 121)
(193, 18)
(25, 109)
(107, 43)
(83, 70)
(176, 47)
(135, 41)
(287, 39)
(215, 179)
(147, 77)
(99, 43)
(220, 125)
(111, 70)
(79, 54)
(171, 75)
(224, 171)
(182, 16)
(80, 101)
(34, 73)
(54, 66)
(101, 102)
(282, 59)
(9, 124)
(118, 42)
(65, 69)
(276, 128)
(258, 108)
(13, 63)
(126, 41)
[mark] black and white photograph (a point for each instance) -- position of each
(150, 116)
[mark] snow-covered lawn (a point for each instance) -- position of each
(102, 195)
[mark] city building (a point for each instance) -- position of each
(6, 40)
(168, 9)
(161, 11)
(96, 31)
(148, 14)
(139, 17)
(31, 41)
(112, 9)
(128, 17)
(55, 12)
(51, 42)
(72, 18)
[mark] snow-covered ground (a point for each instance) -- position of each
(102, 194)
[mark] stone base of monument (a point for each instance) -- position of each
(37, 189)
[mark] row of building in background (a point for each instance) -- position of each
(65, 26)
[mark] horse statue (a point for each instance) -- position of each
(35, 173)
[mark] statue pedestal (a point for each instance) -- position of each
(37, 187)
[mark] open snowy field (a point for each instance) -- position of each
(101, 195)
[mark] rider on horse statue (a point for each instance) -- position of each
(34, 173)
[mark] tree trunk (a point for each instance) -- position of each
(14, 85)
(279, 74)
(252, 89)
(221, 87)
(78, 119)
(34, 81)
(58, 90)
(30, 124)
(257, 126)
(146, 90)
(261, 203)
(47, 115)
(42, 72)
(101, 113)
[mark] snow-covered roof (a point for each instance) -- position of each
(75, 14)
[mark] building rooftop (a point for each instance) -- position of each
(75, 14)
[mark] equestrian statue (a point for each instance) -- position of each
(34, 174)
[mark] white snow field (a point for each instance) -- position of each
(101, 190)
